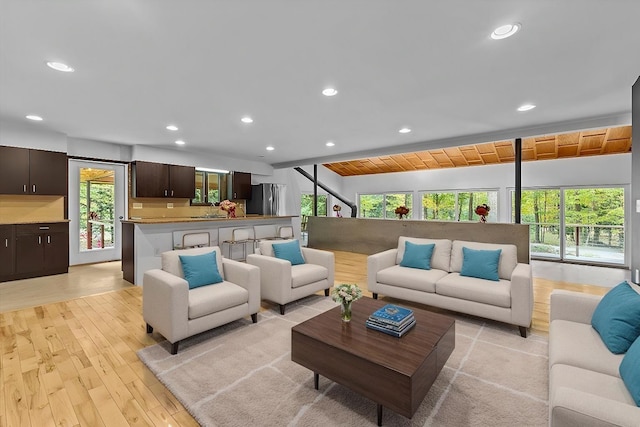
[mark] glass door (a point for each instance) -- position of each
(97, 197)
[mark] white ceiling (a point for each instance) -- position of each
(428, 65)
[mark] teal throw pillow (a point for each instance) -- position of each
(289, 251)
(200, 270)
(417, 256)
(617, 318)
(482, 264)
(630, 370)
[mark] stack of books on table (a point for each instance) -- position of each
(392, 319)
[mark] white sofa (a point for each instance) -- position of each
(585, 388)
(508, 300)
(282, 283)
(177, 312)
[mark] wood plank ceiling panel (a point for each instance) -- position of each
(573, 144)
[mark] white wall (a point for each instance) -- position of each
(31, 135)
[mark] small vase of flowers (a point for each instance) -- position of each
(337, 209)
(229, 207)
(346, 294)
(402, 211)
(483, 211)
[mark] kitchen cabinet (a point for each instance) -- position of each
(162, 180)
(26, 171)
(41, 249)
(241, 186)
(7, 250)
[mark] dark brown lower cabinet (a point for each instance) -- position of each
(7, 250)
(39, 250)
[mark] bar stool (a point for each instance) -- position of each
(285, 232)
(242, 237)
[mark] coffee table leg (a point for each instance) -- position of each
(316, 379)
(379, 414)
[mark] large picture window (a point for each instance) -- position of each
(579, 224)
(458, 205)
(384, 205)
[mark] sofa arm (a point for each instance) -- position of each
(165, 303)
(323, 258)
(570, 407)
(573, 306)
(377, 262)
(246, 276)
(521, 295)
(275, 277)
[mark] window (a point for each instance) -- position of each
(580, 224)
(384, 205)
(211, 187)
(458, 205)
(306, 205)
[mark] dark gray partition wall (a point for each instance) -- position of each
(369, 235)
(634, 232)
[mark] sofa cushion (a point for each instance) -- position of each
(304, 274)
(617, 318)
(578, 344)
(482, 264)
(473, 289)
(171, 259)
(410, 278)
(200, 270)
(630, 370)
(289, 251)
(441, 252)
(417, 256)
(212, 299)
(596, 383)
(508, 256)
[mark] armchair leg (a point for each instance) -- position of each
(375, 295)
(282, 309)
(149, 328)
(326, 292)
(523, 331)
(254, 317)
(174, 347)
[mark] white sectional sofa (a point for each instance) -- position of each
(585, 387)
(509, 300)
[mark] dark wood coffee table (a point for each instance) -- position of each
(394, 372)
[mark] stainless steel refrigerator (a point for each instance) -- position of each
(267, 199)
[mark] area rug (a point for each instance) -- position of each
(241, 374)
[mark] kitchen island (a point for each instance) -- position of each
(144, 239)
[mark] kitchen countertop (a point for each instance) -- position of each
(33, 221)
(184, 219)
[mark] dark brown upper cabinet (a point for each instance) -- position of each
(26, 171)
(161, 180)
(241, 184)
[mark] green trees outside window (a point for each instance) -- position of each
(384, 205)
(306, 205)
(458, 206)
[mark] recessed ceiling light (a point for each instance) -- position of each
(34, 118)
(270, 148)
(330, 144)
(504, 31)
(59, 66)
(329, 92)
(172, 127)
(246, 120)
(526, 107)
(404, 130)
(180, 142)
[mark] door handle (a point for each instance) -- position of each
(165, 193)
(6, 243)
(171, 193)
(39, 240)
(34, 188)
(24, 188)
(48, 239)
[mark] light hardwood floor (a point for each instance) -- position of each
(74, 362)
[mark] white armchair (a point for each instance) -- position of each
(281, 282)
(177, 312)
